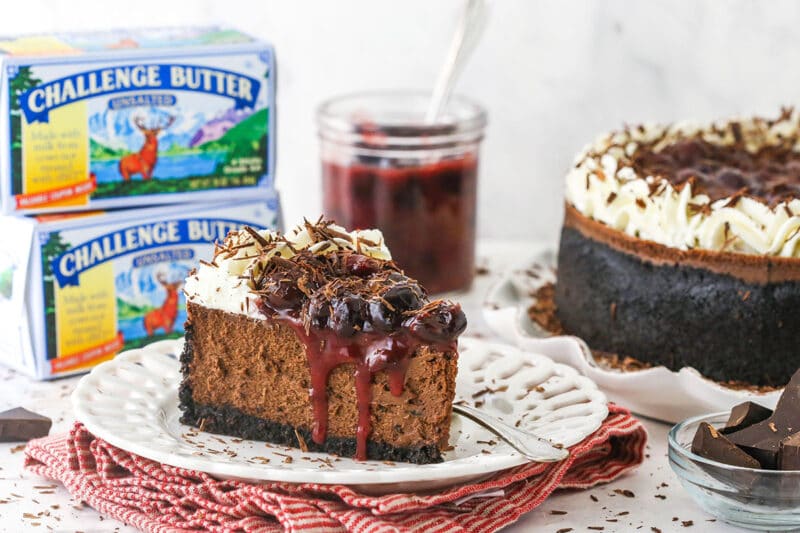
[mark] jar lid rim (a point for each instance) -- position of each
(397, 113)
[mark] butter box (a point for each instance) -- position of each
(128, 118)
(76, 289)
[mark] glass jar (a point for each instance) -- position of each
(384, 167)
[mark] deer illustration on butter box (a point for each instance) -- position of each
(144, 161)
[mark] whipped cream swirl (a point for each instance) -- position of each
(224, 283)
(604, 186)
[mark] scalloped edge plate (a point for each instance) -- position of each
(655, 392)
(132, 403)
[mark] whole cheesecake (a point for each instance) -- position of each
(680, 248)
(317, 339)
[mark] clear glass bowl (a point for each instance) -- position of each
(757, 499)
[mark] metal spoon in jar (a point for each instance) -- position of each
(533, 447)
(466, 37)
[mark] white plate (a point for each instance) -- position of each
(655, 392)
(132, 403)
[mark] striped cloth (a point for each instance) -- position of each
(161, 498)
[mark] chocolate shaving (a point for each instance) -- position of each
(543, 309)
(301, 441)
(703, 209)
(257, 237)
(735, 197)
(736, 129)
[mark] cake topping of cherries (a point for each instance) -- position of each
(349, 293)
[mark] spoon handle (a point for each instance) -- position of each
(467, 35)
(533, 447)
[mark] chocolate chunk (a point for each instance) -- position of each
(762, 440)
(711, 444)
(744, 415)
(789, 453)
(19, 424)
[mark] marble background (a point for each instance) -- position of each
(552, 73)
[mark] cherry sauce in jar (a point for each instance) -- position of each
(384, 167)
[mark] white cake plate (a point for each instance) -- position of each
(656, 392)
(132, 403)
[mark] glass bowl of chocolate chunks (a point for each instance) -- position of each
(743, 466)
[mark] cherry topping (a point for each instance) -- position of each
(319, 310)
(361, 265)
(381, 318)
(283, 294)
(348, 315)
(441, 323)
(404, 296)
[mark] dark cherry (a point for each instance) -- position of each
(283, 294)
(348, 316)
(404, 296)
(362, 265)
(381, 318)
(397, 277)
(319, 311)
(442, 323)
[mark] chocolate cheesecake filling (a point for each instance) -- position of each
(350, 309)
(770, 174)
(250, 378)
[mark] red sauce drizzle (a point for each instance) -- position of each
(370, 353)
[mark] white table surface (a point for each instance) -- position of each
(658, 502)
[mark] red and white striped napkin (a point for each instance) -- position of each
(161, 498)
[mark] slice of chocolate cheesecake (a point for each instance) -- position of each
(316, 339)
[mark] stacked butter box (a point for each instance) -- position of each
(123, 157)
